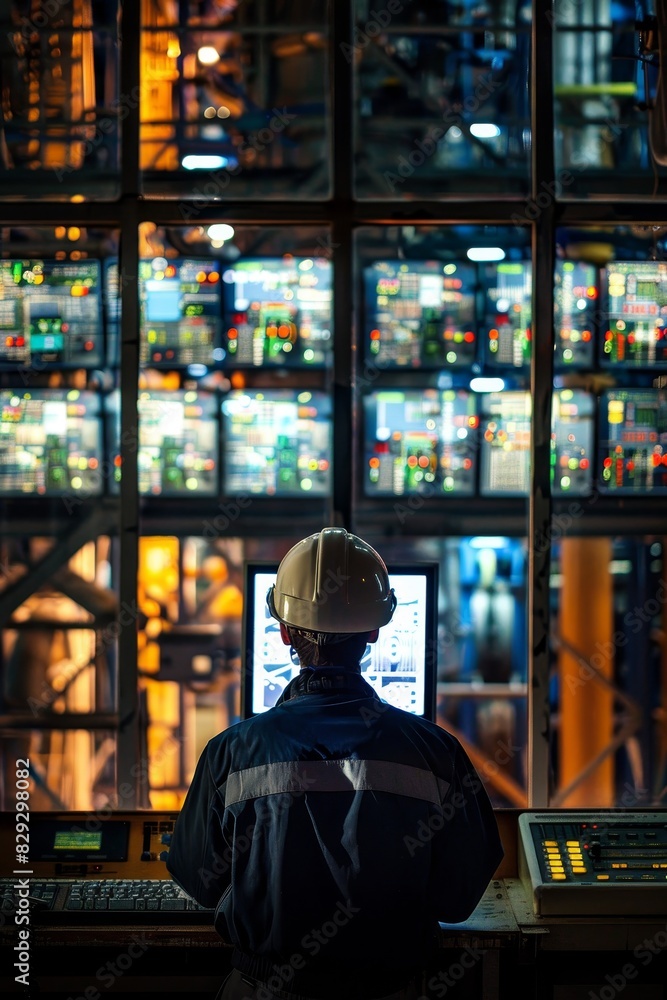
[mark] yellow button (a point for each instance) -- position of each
(552, 850)
(602, 878)
(575, 854)
(616, 864)
(578, 870)
(557, 868)
(663, 866)
(572, 843)
(550, 843)
(558, 877)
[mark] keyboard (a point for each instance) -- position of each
(106, 901)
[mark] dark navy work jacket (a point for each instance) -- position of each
(334, 830)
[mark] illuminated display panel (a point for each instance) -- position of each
(634, 333)
(420, 314)
(50, 313)
(50, 443)
(505, 436)
(632, 453)
(76, 840)
(396, 666)
(277, 443)
(112, 311)
(420, 441)
(572, 442)
(278, 312)
(180, 312)
(575, 303)
(178, 443)
(508, 314)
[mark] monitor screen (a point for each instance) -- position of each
(575, 303)
(50, 443)
(180, 312)
(634, 333)
(420, 314)
(508, 314)
(112, 311)
(178, 443)
(277, 443)
(632, 453)
(572, 434)
(505, 439)
(278, 312)
(399, 666)
(420, 441)
(50, 313)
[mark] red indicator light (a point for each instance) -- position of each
(469, 337)
(607, 463)
(584, 463)
(375, 334)
(412, 461)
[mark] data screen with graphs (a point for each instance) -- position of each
(277, 443)
(278, 312)
(178, 443)
(50, 443)
(634, 333)
(505, 419)
(633, 441)
(508, 290)
(575, 303)
(420, 314)
(180, 312)
(399, 666)
(50, 313)
(420, 441)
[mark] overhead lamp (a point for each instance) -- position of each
(487, 384)
(484, 130)
(220, 231)
(207, 162)
(208, 55)
(479, 254)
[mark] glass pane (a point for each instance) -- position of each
(605, 141)
(443, 102)
(234, 100)
(58, 536)
(60, 95)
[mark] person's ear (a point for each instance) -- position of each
(373, 636)
(284, 635)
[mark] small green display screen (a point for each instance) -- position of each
(77, 840)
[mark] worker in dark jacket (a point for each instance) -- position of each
(334, 831)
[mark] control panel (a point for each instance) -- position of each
(594, 863)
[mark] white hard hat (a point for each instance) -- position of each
(333, 582)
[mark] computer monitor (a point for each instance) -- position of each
(632, 450)
(505, 419)
(400, 666)
(50, 443)
(178, 443)
(420, 314)
(50, 314)
(508, 288)
(278, 312)
(277, 443)
(634, 334)
(420, 441)
(575, 303)
(180, 312)
(572, 435)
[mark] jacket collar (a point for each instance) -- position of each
(326, 680)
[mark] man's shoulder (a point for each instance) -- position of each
(417, 725)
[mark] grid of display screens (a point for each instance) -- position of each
(575, 302)
(50, 313)
(178, 444)
(180, 312)
(635, 334)
(420, 441)
(50, 443)
(396, 666)
(420, 314)
(277, 443)
(633, 441)
(278, 312)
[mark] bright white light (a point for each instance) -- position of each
(454, 132)
(486, 253)
(488, 542)
(193, 162)
(220, 231)
(484, 130)
(487, 384)
(197, 371)
(208, 56)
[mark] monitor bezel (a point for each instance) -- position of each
(429, 569)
